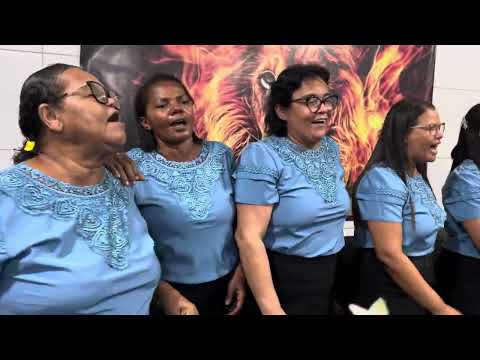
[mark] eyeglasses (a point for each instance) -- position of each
(99, 93)
(432, 128)
(314, 103)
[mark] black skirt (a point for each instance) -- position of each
(208, 297)
(458, 281)
(371, 281)
(303, 285)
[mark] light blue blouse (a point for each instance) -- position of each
(383, 196)
(68, 249)
(461, 199)
(306, 189)
(190, 212)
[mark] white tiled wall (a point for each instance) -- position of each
(73, 50)
(15, 67)
(456, 89)
(17, 62)
(29, 48)
(457, 67)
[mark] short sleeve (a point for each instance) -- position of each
(381, 196)
(256, 176)
(461, 193)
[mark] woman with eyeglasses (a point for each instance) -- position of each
(458, 264)
(397, 216)
(186, 198)
(72, 240)
(291, 199)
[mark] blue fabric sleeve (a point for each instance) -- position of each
(462, 194)
(381, 196)
(256, 176)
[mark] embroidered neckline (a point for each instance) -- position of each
(317, 165)
(420, 188)
(182, 164)
(99, 211)
(417, 185)
(192, 183)
(60, 186)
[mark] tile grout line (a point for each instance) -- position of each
(39, 52)
(457, 89)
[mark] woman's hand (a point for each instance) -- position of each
(180, 306)
(447, 310)
(172, 302)
(236, 292)
(124, 168)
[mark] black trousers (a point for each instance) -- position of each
(209, 297)
(458, 281)
(371, 281)
(303, 285)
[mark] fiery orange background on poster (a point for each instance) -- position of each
(229, 84)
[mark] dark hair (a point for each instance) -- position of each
(468, 144)
(282, 89)
(147, 140)
(43, 86)
(391, 150)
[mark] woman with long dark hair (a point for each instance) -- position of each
(458, 265)
(396, 214)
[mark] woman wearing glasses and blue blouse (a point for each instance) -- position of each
(458, 265)
(396, 214)
(291, 199)
(72, 240)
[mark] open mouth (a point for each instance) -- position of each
(179, 122)
(320, 121)
(115, 117)
(434, 148)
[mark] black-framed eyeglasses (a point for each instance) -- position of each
(432, 128)
(99, 93)
(314, 103)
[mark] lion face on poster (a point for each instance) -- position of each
(230, 83)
